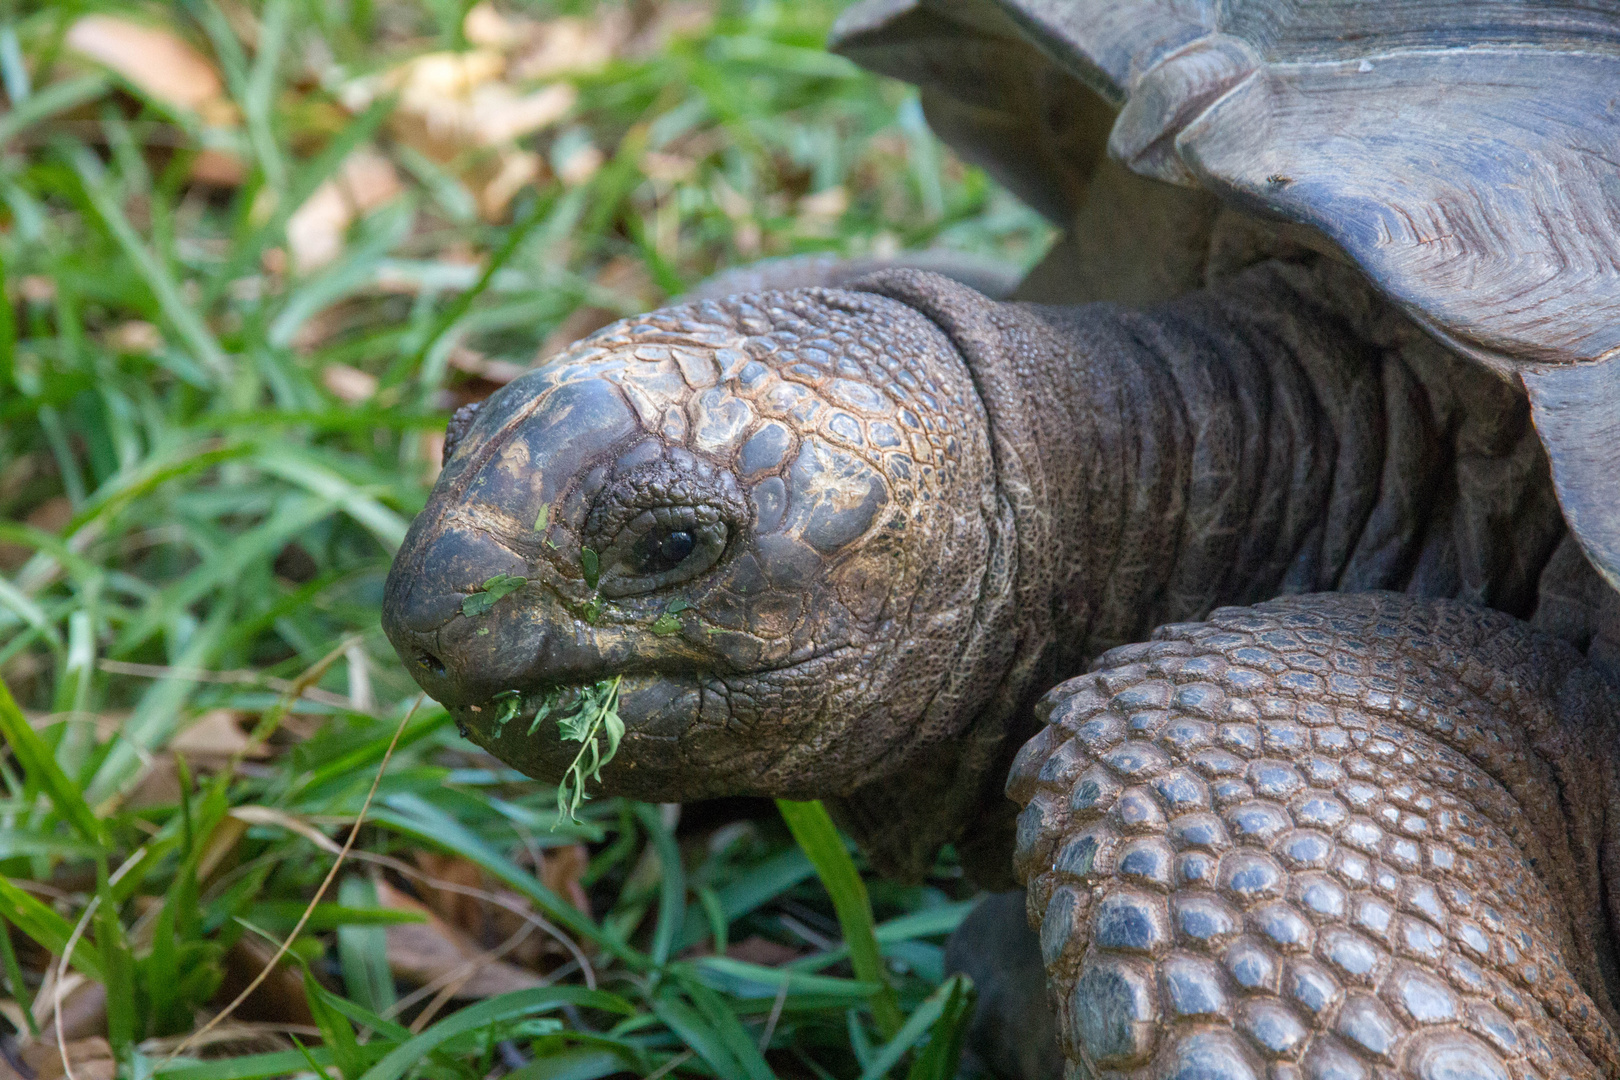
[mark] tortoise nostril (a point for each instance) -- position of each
(431, 663)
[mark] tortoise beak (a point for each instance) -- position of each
(422, 615)
(525, 448)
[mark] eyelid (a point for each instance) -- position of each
(710, 539)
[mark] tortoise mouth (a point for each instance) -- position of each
(676, 744)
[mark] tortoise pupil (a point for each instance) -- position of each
(668, 551)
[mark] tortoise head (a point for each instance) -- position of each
(769, 518)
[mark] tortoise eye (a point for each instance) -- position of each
(662, 547)
(661, 551)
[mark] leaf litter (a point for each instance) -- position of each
(268, 395)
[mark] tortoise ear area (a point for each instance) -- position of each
(1576, 408)
(460, 421)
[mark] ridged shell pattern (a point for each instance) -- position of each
(1329, 838)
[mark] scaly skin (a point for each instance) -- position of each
(1333, 835)
(934, 507)
(897, 513)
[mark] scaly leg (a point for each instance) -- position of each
(1334, 836)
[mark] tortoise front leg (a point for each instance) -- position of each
(1334, 836)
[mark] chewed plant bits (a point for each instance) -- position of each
(596, 714)
(479, 602)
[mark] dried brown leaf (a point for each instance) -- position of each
(92, 1058)
(157, 60)
(349, 384)
(666, 168)
(579, 166)
(452, 102)
(435, 952)
(571, 45)
(762, 951)
(214, 736)
(561, 870)
(486, 27)
(477, 364)
(135, 337)
(84, 1010)
(366, 181)
(218, 168)
(517, 169)
(280, 997)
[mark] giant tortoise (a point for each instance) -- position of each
(1263, 548)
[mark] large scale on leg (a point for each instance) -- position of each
(1360, 273)
(1339, 833)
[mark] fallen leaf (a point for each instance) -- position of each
(754, 949)
(218, 168)
(477, 364)
(572, 46)
(158, 61)
(214, 737)
(36, 288)
(580, 165)
(826, 205)
(349, 384)
(315, 232)
(92, 1058)
(135, 337)
(517, 169)
(433, 951)
(84, 1010)
(666, 168)
(453, 102)
(486, 27)
(561, 869)
(490, 923)
(670, 20)
(279, 998)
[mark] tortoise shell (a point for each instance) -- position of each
(1465, 155)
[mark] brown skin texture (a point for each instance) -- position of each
(1343, 832)
(913, 510)
(844, 539)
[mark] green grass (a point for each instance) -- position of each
(208, 454)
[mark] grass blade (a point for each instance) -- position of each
(513, 1006)
(56, 98)
(205, 348)
(118, 964)
(40, 766)
(918, 1024)
(250, 1067)
(695, 1032)
(942, 1055)
(816, 834)
(763, 884)
(363, 950)
(46, 927)
(14, 979)
(672, 893)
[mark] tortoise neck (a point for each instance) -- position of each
(1218, 449)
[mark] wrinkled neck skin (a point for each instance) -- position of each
(1230, 446)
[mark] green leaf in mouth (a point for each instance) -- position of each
(591, 563)
(596, 713)
(477, 603)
